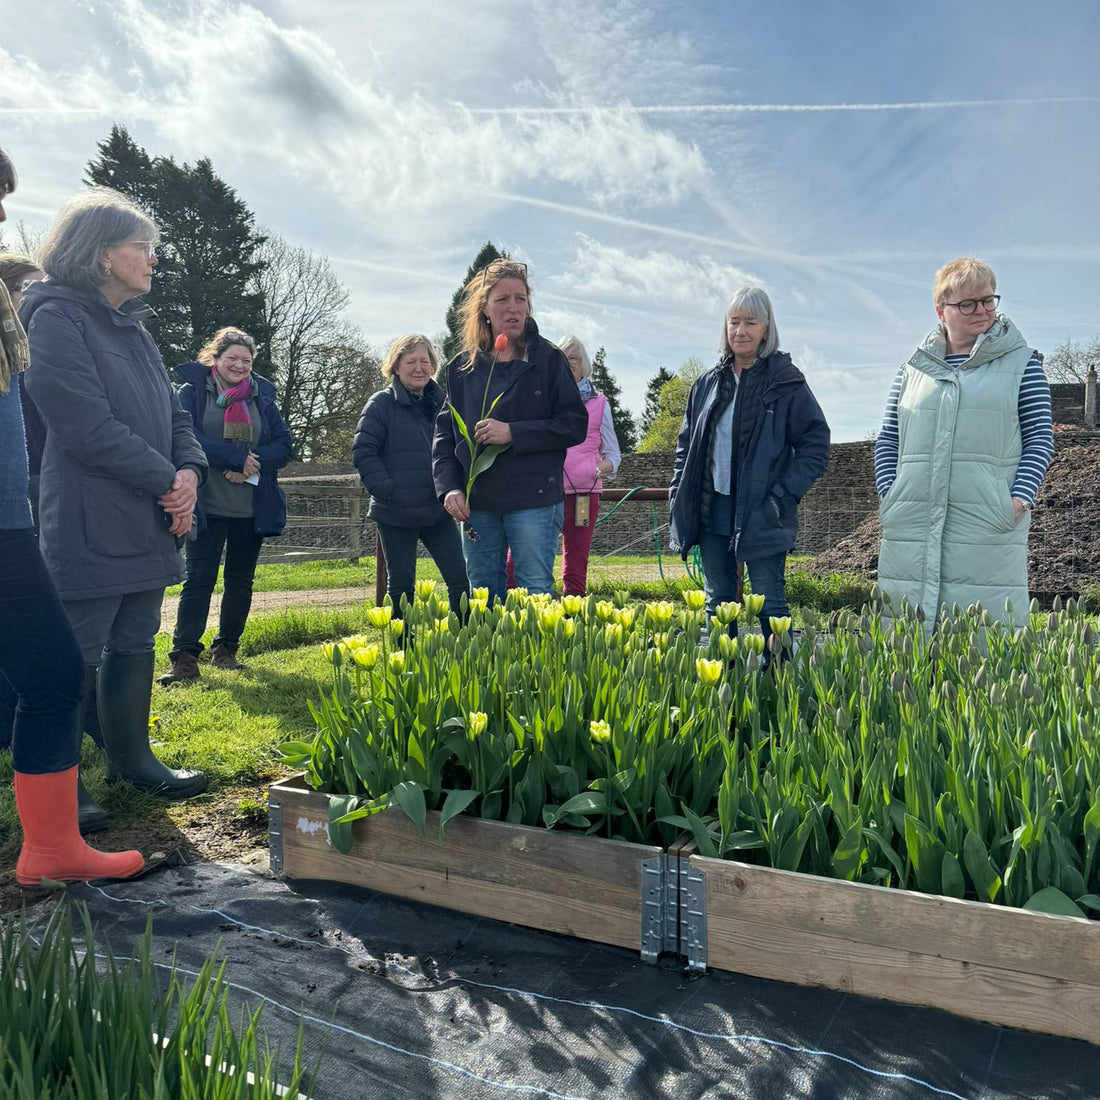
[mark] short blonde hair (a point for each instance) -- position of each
(222, 340)
(402, 346)
(952, 277)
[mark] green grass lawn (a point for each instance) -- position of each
(229, 725)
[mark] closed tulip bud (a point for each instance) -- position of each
(659, 614)
(709, 672)
(728, 646)
(397, 661)
(379, 616)
(613, 635)
(479, 594)
(443, 625)
(950, 692)
(896, 681)
(1033, 608)
(329, 650)
(754, 603)
(843, 719)
(396, 628)
(1093, 694)
(366, 656)
(775, 644)
(695, 599)
(864, 687)
(1057, 605)
(997, 695)
(908, 694)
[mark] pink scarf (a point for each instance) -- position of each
(237, 422)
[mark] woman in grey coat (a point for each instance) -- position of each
(120, 470)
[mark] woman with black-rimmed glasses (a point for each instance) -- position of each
(965, 442)
(513, 392)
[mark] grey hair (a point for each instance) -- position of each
(754, 301)
(570, 341)
(87, 226)
(8, 179)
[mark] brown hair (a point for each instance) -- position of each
(222, 339)
(14, 268)
(402, 346)
(477, 336)
(8, 179)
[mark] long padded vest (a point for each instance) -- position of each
(949, 534)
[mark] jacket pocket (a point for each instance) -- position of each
(119, 521)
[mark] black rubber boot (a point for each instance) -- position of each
(90, 815)
(89, 706)
(125, 687)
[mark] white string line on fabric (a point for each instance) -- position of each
(727, 1037)
(176, 969)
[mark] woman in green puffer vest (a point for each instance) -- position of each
(965, 442)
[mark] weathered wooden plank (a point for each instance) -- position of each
(1011, 998)
(580, 886)
(1065, 948)
(987, 962)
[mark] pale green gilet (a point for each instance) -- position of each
(949, 533)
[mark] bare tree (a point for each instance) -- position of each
(23, 241)
(321, 364)
(1070, 361)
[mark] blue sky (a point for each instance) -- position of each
(645, 159)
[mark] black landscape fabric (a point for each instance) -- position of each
(404, 1000)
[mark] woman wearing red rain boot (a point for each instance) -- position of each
(39, 656)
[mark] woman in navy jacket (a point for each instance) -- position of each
(753, 441)
(393, 454)
(242, 433)
(515, 389)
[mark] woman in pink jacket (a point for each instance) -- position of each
(586, 465)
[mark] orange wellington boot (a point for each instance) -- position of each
(52, 844)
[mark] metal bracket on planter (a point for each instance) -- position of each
(693, 915)
(275, 835)
(657, 927)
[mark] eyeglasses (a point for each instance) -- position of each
(504, 269)
(149, 246)
(968, 305)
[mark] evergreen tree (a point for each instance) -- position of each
(621, 417)
(452, 341)
(206, 277)
(664, 428)
(653, 398)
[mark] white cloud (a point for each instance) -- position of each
(221, 79)
(658, 277)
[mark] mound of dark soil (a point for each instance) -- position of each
(1064, 547)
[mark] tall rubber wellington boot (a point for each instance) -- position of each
(125, 688)
(90, 815)
(52, 845)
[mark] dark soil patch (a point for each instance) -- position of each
(1064, 546)
(210, 828)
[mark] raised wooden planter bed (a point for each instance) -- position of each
(580, 886)
(988, 962)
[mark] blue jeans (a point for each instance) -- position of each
(41, 667)
(767, 576)
(238, 538)
(532, 536)
(443, 541)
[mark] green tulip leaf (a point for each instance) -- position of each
(1051, 900)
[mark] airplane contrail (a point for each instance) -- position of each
(749, 108)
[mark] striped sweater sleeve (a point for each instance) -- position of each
(1036, 432)
(886, 446)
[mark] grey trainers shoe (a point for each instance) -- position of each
(185, 669)
(225, 659)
